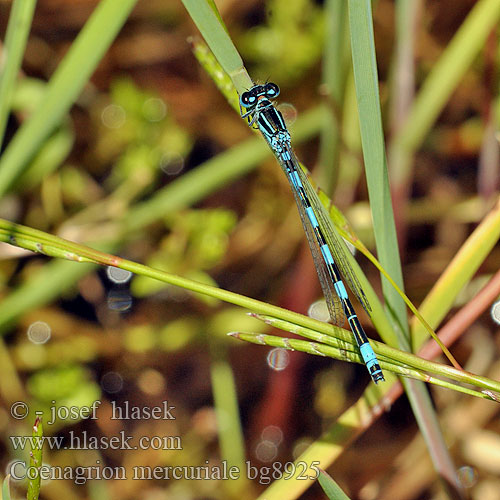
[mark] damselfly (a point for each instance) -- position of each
(327, 248)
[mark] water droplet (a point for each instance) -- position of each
(172, 163)
(300, 447)
(319, 310)
(117, 275)
(495, 312)
(39, 332)
(154, 109)
(289, 113)
(112, 382)
(113, 116)
(266, 451)
(467, 476)
(278, 359)
(119, 300)
(273, 434)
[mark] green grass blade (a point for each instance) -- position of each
(230, 432)
(35, 461)
(214, 69)
(209, 22)
(352, 356)
(6, 488)
(366, 81)
(343, 340)
(54, 246)
(65, 86)
(15, 42)
(335, 69)
(332, 490)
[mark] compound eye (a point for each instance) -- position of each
(272, 90)
(247, 99)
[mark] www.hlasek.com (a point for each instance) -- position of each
(83, 441)
(222, 471)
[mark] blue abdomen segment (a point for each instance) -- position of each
(367, 353)
(327, 255)
(371, 361)
(312, 217)
(340, 289)
(296, 179)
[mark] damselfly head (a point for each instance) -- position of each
(251, 97)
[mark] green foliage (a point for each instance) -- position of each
(179, 333)
(289, 44)
(65, 86)
(197, 241)
(67, 385)
(137, 133)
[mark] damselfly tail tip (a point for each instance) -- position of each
(375, 372)
(378, 376)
